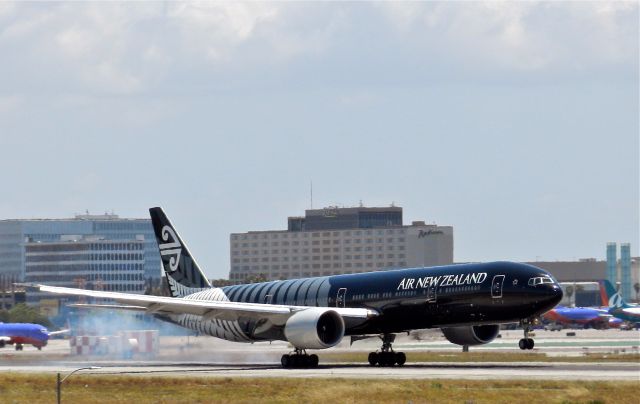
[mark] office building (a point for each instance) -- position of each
(14, 233)
(87, 262)
(339, 241)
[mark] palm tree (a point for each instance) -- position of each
(569, 291)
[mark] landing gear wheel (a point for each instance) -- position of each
(530, 343)
(373, 358)
(299, 359)
(19, 347)
(383, 358)
(526, 342)
(387, 356)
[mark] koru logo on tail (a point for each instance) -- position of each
(615, 301)
(172, 247)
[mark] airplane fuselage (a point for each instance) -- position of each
(23, 333)
(585, 316)
(406, 299)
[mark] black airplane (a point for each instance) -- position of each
(467, 301)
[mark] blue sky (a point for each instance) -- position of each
(516, 123)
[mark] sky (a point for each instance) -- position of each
(517, 123)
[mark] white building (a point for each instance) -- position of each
(329, 244)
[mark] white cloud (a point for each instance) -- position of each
(215, 29)
(522, 35)
(129, 48)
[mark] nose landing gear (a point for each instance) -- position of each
(299, 359)
(526, 342)
(387, 356)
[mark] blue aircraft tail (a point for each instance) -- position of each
(610, 297)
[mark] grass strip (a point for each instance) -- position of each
(32, 388)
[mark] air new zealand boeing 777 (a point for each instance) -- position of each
(467, 301)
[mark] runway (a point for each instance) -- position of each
(210, 357)
(468, 371)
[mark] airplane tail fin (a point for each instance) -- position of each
(609, 295)
(183, 274)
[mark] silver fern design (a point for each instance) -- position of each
(171, 247)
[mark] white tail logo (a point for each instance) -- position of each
(615, 301)
(171, 247)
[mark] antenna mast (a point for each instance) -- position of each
(311, 194)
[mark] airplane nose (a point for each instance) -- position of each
(555, 294)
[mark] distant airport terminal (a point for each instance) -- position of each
(106, 252)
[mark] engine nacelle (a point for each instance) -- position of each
(471, 335)
(314, 328)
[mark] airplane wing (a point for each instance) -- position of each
(208, 309)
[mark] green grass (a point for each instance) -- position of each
(37, 388)
(422, 356)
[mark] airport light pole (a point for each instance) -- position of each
(59, 382)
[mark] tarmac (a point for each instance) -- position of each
(211, 357)
(459, 371)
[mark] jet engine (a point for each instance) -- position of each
(471, 335)
(314, 328)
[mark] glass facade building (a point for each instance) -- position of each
(612, 263)
(625, 270)
(14, 233)
(89, 262)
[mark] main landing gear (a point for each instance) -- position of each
(526, 342)
(19, 347)
(299, 359)
(387, 356)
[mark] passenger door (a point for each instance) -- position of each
(431, 294)
(341, 298)
(496, 286)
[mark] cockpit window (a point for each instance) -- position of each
(539, 280)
